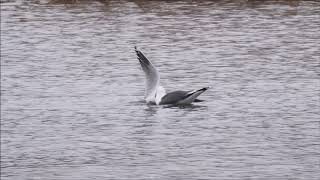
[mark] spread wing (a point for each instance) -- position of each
(152, 75)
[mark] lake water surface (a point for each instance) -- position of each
(72, 104)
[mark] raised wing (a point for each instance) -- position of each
(152, 75)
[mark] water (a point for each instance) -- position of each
(72, 90)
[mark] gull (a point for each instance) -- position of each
(156, 94)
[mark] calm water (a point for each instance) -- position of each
(72, 90)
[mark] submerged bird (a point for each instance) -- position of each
(156, 94)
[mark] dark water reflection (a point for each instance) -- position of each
(72, 90)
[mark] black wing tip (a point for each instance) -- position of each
(138, 53)
(204, 89)
(198, 100)
(136, 49)
(141, 56)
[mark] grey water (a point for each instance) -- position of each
(72, 90)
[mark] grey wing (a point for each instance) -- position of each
(152, 75)
(182, 97)
(174, 97)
